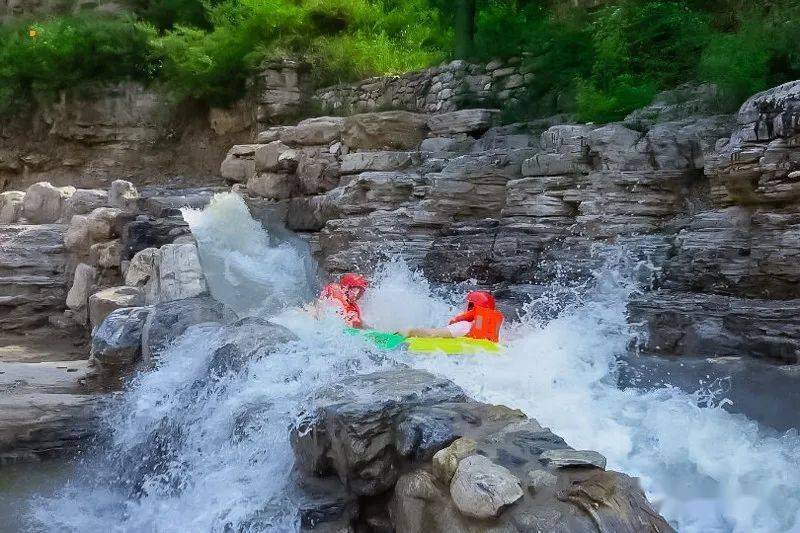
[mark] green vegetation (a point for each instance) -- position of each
(598, 63)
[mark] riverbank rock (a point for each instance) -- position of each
(117, 343)
(481, 489)
(423, 458)
(11, 206)
(168, 320)
(44, 203)
(102, 303)
(401, 130)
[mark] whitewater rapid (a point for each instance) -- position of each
(219, 446)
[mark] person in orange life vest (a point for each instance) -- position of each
(481, 320)
(345, 296)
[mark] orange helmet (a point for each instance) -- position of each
(352, 280)
(480, 299)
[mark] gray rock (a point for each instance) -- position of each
(104, 302)
(317, 171)
(121, 193)
(463, 121)
(313, 131)
(445, 461)
(117, 342)
(11, 206)
(482, 489)
(573, 458)
(84, 201)
(272, 186)
(33, 283)
(275, 157)
(142, 268)
(180, 274)
(44, 203)
(83, 281)
(377, 161)
(541, 479)
(168, 320)
(352, 427)
(400, 130)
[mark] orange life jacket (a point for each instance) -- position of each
(485, 323)
(349, 310)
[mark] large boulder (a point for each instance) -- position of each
(180, 274)
(400, 130)
(168, 320)
(313, 131)
(276, 157)
(148, 232)
(44, 203)
(122, 193)
(142, 268)
(317, 171)
(272, 186)
(11, 206)
(85, 201)
(481, 489)
(353, 427)
(102, 303)
(117, 342)
(463, 121)
(239, 165)
(83, 281)
(85, 230)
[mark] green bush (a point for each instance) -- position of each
(343, 39)
(38, 60)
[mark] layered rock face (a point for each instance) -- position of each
(412, 453)
(119, 263)
(707, 200)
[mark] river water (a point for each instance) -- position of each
(192, 447)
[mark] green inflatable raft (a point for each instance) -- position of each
(432, 345)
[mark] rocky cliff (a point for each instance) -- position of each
(709, 200)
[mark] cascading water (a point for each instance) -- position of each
(201, 442)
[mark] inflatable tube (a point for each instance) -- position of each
(451, 346)
(427, 345)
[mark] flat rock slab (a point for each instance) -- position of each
(50, 377)
(574, 458)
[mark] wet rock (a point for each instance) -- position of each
(44, 203)
(482, 489)
(102, 303)
(686, 323)
(573, 458)
(117, 342)
(11, 206)
(615, 503)
(353, 424)
(122, 193)
(541, 479)
(248, 339)
(463, 121)
(399, 130)
(445, 461)
(168, 320)
(84, 201)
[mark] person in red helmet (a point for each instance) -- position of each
(481, 320)
(345, 296)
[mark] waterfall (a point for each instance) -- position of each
(201, 442)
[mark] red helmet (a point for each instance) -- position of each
(480, 299)
(353, 280)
